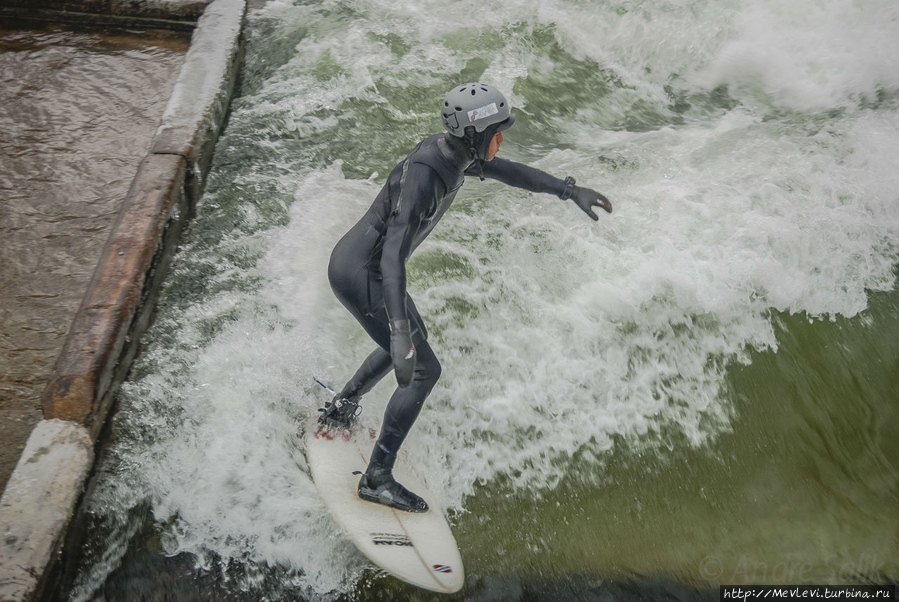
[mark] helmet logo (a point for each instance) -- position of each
(482, 112)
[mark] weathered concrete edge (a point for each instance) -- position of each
(119, 302)
(38, 503)
(195, 113)
(84, 372)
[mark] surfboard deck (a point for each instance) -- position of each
(418, 548)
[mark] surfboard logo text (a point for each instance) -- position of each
(390, 539)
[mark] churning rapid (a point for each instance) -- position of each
(697, 389)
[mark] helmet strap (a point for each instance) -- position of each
(471, 140)
(480, 165)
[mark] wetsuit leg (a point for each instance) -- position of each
(379, 363)
(359, 290)
(405, 405)
(375, 367)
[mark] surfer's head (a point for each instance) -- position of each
(476, 113)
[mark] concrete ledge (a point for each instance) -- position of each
(196, 111)
(117, 308)
(38, 503)
(83, 373)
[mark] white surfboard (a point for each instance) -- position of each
(416, 547)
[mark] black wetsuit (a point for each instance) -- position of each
(368, 266)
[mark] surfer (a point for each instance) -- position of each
(367, 270)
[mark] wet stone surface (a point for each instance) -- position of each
(78, 110)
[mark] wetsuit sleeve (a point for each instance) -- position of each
(521, 176)
(417, 195)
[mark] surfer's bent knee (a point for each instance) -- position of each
(428, 369)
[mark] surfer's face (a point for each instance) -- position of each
(494, 146)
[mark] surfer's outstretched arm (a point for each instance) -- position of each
(535, 180)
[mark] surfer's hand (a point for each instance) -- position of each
(402, 351)
(586, 199)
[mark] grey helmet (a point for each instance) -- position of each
(473, 114)
(476, 105)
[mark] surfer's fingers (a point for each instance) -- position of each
(587, 198)
(605, 203)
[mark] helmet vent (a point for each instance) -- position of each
(462, 89)
(446, 104)
(502, 104)
(473, 91)
(458, 108)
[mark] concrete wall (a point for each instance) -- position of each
(78, 112)
(41, 496)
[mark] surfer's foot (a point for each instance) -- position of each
(378, 485)
(340, 412)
